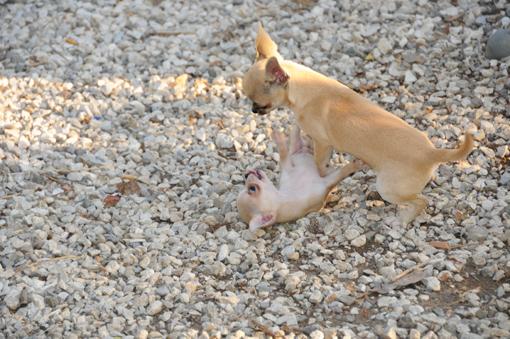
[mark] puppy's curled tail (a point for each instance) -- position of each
(460, 153)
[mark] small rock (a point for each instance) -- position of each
(384, 45)
(505, 178)
(37, 300)
(289, 319)
(389, 99)
(386, 301)
(142, 334)
(317, 334)
(390, 333)
(414, 334)
(479, 259)
(224, 141)
(223, 252)
(476, 233)
(288, 251)
(359, 241)
(430, 335)
(432, 284)
(409, 77)
(155, 308)
(75, 176)
(316, 297)
(450, 12)
(351, 234)
(379, 238)
(12, 299)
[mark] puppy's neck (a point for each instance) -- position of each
(306, 85)
(292, 206)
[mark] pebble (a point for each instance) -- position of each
(317, 334)
(384, 45)
(12, 299)
(351, 234)
(409, 77)
(414, 334)
(433, 284)
(224, 141)
(316, 297)
(155, 308)
(359, 241)
(390, 333)
(223, 252)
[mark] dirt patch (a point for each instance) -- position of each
(453, 294)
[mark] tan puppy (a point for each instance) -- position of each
(302, 190)
(335, 116)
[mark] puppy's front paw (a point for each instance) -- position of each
(324, 171)
(277, 136)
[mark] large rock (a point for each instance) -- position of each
(498, 45)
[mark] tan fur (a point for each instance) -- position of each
(335, 116)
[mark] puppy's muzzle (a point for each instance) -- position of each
(255, 172)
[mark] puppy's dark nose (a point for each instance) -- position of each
(258, 109)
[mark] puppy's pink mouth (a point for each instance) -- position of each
(255, 172)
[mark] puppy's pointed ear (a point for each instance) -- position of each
(265, 46)
(262, 220)
(275, 72)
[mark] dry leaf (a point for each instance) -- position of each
(351, 286)
(330, 298)
(368, 87)
(365, 313)
(459, 216)
(128, 187)
(305, 3)
(71, 41)
(411, 278)
(369, 57)
(266, 330)
(111, 200)
(219, 123)
(441, 245)
(444, 276)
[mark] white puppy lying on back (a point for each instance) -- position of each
(302, 190)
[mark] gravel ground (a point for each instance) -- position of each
(124, 135)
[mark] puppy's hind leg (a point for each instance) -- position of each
(412, 209)
(334, 177)
(404, 189)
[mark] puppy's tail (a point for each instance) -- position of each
(460, 153)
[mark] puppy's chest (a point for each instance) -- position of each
(301, 178)
(312, 125)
